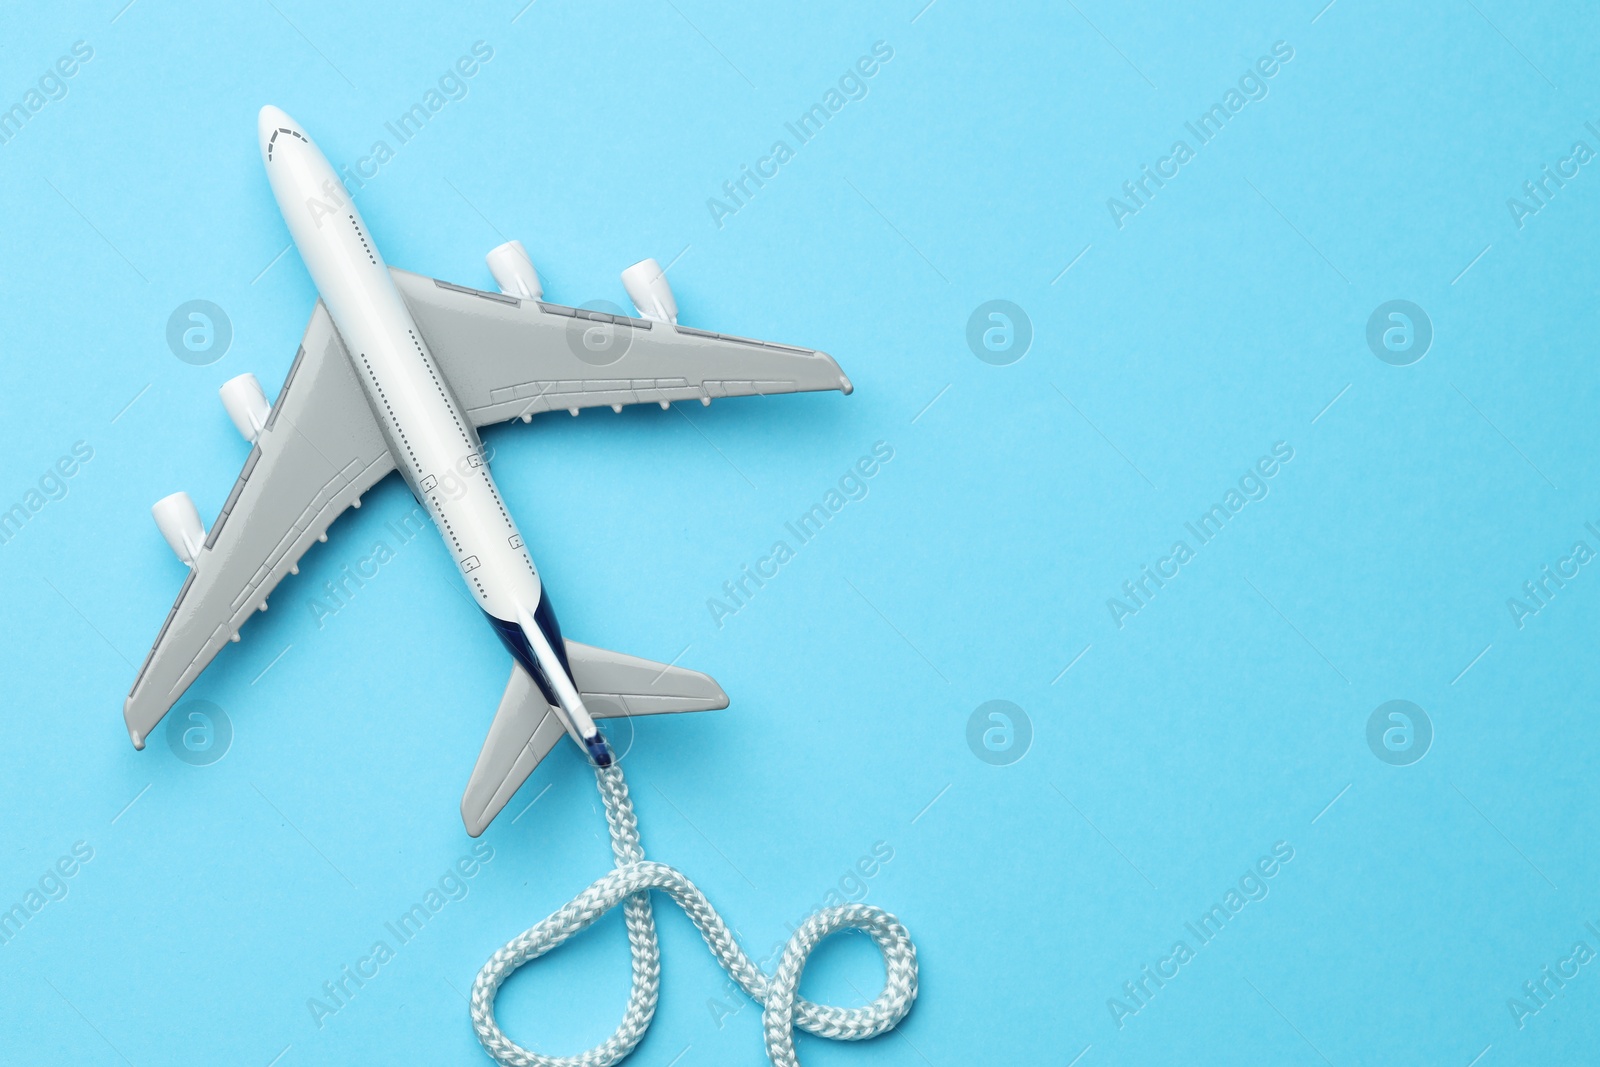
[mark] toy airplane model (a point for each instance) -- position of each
(397, 372)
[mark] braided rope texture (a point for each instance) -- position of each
(630, 885)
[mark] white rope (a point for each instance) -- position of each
(630, 884)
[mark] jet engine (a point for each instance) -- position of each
(648, 289)
(179, 522)
(247, 405)
(513, 271)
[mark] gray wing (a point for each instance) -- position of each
(526, 727)
(320, 451)
(507, 358)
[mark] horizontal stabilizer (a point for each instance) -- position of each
(615, 684)
(526, 727)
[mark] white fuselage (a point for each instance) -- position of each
(434, 444)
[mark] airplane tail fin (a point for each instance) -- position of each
(526, 727)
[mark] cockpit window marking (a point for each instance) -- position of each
(274, 139)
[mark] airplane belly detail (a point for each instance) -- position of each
(441, 458)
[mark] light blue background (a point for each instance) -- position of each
(1226, 716)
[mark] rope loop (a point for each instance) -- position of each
(629, 884)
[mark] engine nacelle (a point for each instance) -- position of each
(247, 405)
(648, 289)
(179, 522)
(513, 271)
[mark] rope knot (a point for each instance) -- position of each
(629, 884)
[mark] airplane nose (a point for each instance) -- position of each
(271, 118)
(271, 125)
